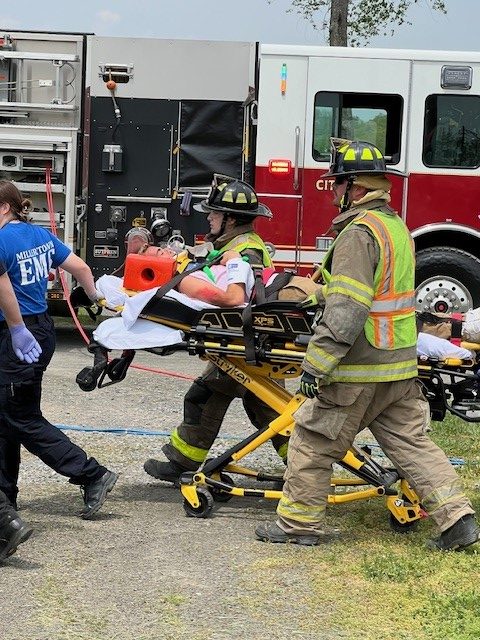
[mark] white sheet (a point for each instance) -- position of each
(128, 331)
(110, 287)
(143, 334)
(434, 347)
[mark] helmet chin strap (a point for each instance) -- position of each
(224, 224)
(345, 201)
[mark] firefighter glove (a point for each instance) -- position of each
(309, 385)
(314, 300)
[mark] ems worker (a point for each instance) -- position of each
(29, 252)
(13, 530)
(360, 366)
(231, 209)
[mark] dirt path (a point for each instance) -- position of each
(142, 570)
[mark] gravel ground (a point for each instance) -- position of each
(142, 570)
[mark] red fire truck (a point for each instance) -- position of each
(421, 108)
(123, 132)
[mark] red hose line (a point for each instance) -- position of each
(66, 293)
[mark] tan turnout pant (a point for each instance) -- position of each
(397, 414)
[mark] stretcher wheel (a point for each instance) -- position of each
(402, 527)
(205, 507)
(219, 495)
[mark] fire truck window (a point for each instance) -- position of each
(357, 116)
(451, 134)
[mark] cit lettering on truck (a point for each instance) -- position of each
(324, 184)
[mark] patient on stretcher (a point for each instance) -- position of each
(442, 336)
(430, 346)
(230, 283)
(451, 326)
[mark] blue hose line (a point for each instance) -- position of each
(127, 431)
(134, 431)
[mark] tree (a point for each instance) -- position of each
(354, 22)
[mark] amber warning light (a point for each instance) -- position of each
(280, 168)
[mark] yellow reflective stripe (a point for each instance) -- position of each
(353, 283)
(442, 496)
(388, 366)
(375, 372)
(351, 288)
(367, 154)
(189, 451)
(350, 294)
(320, 359)
(300, 512)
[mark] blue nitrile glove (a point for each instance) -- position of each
(24, 344)
(309, 385)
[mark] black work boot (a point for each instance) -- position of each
(167, 470)
(12, 533)
(271, 532)
(95, 493)
(459, 536)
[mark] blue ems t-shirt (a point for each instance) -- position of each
(29, 253)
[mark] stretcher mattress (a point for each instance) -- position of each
(132, 331)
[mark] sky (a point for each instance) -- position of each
(245, 20)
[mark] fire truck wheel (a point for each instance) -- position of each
(447, 280)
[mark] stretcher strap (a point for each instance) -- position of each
(171, 284)
(281, 280)
(268, 293)
(249, 334)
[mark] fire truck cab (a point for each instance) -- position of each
(421, 108)
(104, 134)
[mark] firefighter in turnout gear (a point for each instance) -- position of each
(231, 208)
(360, 366)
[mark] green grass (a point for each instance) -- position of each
(378, 585)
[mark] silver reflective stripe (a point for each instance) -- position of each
(320, 359)
(393, 305)
(383, 325)
(300, 512)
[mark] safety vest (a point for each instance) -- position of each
(391, 320)
(249, 241)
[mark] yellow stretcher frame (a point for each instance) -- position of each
(197, 487)
(201, 488)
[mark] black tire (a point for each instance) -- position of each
(205, 507)
(447, 280)
(219, 495)
(402, 527)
